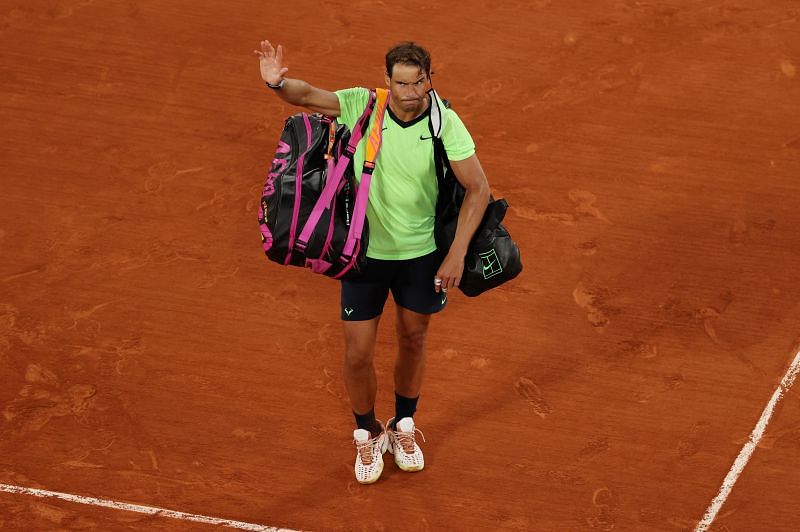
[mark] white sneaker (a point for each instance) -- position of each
(403, 445)
(369, 455)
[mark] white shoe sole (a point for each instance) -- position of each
(371, 481)
(406, 468)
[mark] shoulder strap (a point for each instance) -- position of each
(374, 141)
(436, 118)
(376, 133)
(437, 114)
(336, 171)
(361, 125)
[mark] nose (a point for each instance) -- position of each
(410, 91)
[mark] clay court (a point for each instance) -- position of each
(151, 355)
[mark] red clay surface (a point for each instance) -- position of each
(149, 353)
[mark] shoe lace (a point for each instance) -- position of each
(365, 448)
(407, 439)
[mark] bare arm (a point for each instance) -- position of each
(470, 174)
(294, 91)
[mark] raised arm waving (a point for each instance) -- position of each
(293, 91)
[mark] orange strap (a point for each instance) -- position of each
(376, 132)
(331, 139)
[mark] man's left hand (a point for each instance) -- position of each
(450, 272)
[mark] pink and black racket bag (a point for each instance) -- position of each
(312, 213)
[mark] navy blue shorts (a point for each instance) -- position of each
(410, 281)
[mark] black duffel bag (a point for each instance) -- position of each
(492, 257)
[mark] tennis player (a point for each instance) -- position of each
(402, 257)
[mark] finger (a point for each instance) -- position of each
(269, 49)
(279, 55)
(283, 72)
(437, 283)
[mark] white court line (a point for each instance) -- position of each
(749, 447)
(161, 512)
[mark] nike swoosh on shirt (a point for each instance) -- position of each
(424, 138)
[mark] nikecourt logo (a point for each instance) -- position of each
(490, 263)
(348, 311)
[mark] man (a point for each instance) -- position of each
(401, 256)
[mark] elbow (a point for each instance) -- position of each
(483, 192)
(479, 192)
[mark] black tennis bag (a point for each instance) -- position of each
(493, 258)
(308, 213)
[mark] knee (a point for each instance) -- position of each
(412, 342)
(357, 358)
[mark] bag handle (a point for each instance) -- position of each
(374, 142)
(335, 173)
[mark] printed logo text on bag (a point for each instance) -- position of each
(491, 264)
(278, 166)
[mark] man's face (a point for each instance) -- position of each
(408, 84)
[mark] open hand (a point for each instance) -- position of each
(271, 62)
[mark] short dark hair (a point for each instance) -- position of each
(408, 53)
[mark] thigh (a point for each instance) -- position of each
(363, 299)
(359, 339)
(413, 288)
(411, 325)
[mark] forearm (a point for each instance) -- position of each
(476, 200)
(294, 91)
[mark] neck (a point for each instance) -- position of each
(408, 116)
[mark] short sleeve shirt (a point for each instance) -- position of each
(403, 190)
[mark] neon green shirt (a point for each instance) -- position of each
(403, 191)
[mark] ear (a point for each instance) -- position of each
(388, 81)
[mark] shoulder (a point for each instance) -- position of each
(351, 104)
(458, 142)
(353, 95)
(449, 119)
(452, 122)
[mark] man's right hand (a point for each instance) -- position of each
(271, 62)
(294, 91)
